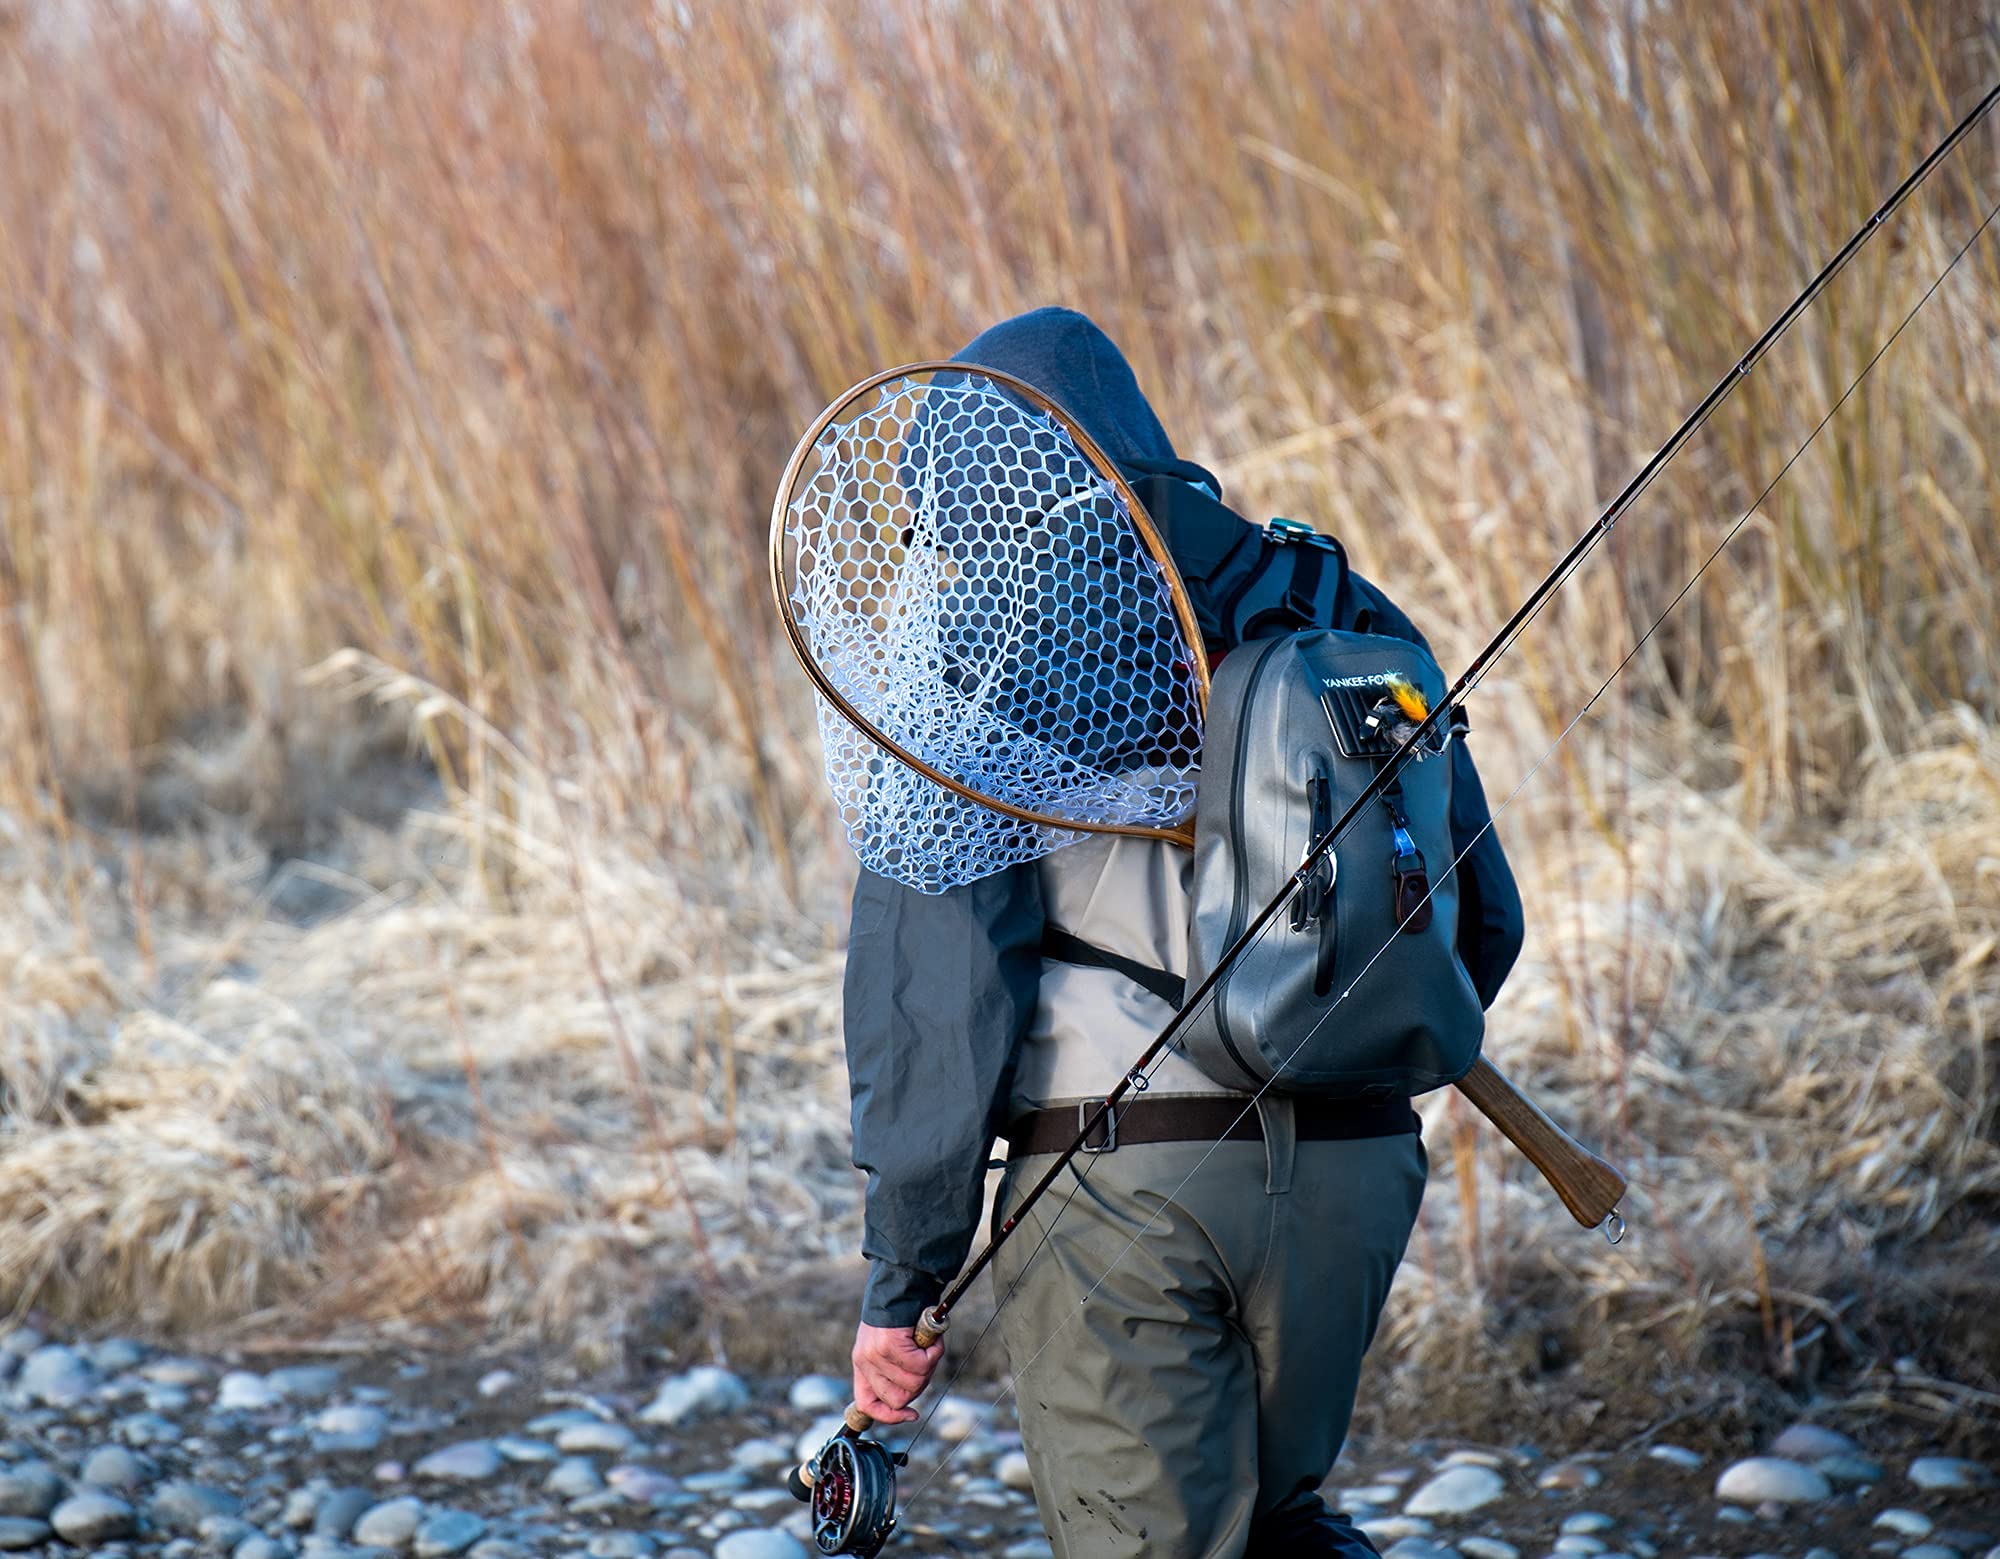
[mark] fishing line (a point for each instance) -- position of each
(1466, 683)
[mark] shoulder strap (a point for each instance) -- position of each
(1065, 948)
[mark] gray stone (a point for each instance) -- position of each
(30, 1489)
(706, 1391)
(1012, 1471)
(1774, 1480)
(646, 1485)
(337, 1513)
(958, 1418)
(182, 1506)
(301, 1505)
(242, 1392)
(259, 1547)
(58, 1376)
(1418, 1548)
(600, 1438)
(1487, 1548)
(390, 1524)
(757, 1455)
(574, 1477)
(1580, 1543)
(1386, 1529)
(115, 1355)
(1565, 1477)
(500, 1548)
(469, 1461)
(147, 1429)
(89, 1519)
(1948, 1472)
(1676, 1456)
(727, 1481)
(304, 1382)
(1029, 1548)
(816, 1434)
(1456, 1491)
(771, 1543)
(1850, 1469)
(113, 1467)
(1587, 1522)
(818, 1394)
(448, 1532)
(555, 1423)
(620, 1545)
(1905, 1523)
(494, 1382)
(1474, 1459)
(354, 1428)
(176, 1372)
(221, 1534)
(521, 1448)
(1809, 1442)
(1930, 1551)
(22, 1532)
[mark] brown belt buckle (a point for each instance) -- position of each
(1110, 1142)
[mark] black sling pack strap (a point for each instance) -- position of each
(1244, 581)
(1063, 947)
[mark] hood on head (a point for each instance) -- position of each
(1069, 359)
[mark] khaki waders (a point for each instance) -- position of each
(1185, 1360)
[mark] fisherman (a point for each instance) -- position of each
(1187, 1332)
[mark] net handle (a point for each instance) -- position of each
(1149, 536)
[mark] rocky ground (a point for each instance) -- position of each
(111, 1447)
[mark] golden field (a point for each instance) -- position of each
(419, 903)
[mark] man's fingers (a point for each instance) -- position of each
(885, 1375)
(882, 1412)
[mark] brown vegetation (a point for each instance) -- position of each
(413, 857)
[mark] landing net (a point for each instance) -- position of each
(974, 590)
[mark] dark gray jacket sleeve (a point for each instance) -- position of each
(1491, 924)
(939, 990)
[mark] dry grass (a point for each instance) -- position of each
(417, 888)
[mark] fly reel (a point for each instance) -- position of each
(851, 1486)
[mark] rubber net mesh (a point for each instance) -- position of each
(975, 587)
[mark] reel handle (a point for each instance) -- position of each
(931, 1325)
(1589, 1187)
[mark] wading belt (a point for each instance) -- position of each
(1187, 1117)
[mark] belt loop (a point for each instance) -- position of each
(1274, 1114)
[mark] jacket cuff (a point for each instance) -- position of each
(897, 1296)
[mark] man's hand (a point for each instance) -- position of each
(890, 1370)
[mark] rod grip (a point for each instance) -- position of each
(1589, 1187)
(931, 1325)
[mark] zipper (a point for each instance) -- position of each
(1239, 899)
(1323, 882)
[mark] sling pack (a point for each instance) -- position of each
(1300, 715)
